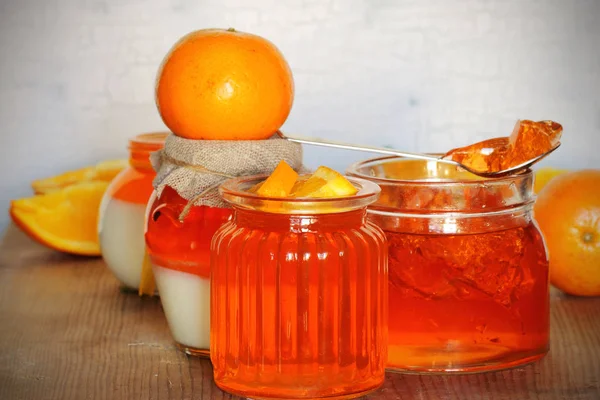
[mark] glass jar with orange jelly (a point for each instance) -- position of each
(298, 295)
(122, 211)
(468, 270)
(179, 250)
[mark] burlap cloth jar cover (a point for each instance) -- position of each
(196, 168)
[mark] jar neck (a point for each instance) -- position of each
(299, 223)
(449, 223)
(140, 160)
(141, 146)
(418, 186)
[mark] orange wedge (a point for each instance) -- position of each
(254, 188)
(103, 171)
(147, 282)
(279, 183)
(325, 182)
(65, 219)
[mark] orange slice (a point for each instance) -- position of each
(147, 282)
(325, 182)
(279, 183)
(65, 219)
(103, 171)
(107, 170)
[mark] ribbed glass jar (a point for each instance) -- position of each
(468, 269)
(298, 296)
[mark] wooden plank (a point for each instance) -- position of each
(68, 332)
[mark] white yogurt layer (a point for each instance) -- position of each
(121, 234)
(186, 301)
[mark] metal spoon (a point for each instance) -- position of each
(419, 156)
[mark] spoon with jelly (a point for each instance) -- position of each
(492, 158)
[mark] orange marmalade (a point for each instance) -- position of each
(298, 296)
(468, 270)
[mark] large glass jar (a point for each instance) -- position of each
(122, 211)
(298, 296)
(468, 270)
(179, 250)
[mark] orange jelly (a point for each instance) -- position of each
(179, 249)
(468, 270)
(528, 140)
(298, 296)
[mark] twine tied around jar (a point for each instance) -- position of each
(196, 168)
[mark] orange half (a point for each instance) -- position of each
(65, 219)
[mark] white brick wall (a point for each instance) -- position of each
(77, 76)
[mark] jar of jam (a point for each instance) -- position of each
(122, 211)
(179, 250)
(298, 295)
(468, 270)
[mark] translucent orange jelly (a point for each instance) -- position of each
(468, 270)
(468, 301)
(298, 297)
(182, 245)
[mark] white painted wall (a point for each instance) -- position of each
(77, 76)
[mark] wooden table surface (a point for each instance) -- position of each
(68, 332)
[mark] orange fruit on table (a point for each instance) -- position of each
(568, 213)
(224, 85)
(65, 220)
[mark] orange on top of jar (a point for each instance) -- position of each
(285, 182)
(224, 85)
(528, 140)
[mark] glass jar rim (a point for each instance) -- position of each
(149, 141)
(353, 170)
(235, 192)
(140, 147)
(408, 186)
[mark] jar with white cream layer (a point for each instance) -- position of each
(123, 208)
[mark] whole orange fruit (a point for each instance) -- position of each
(568, 213)
(224, 84)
